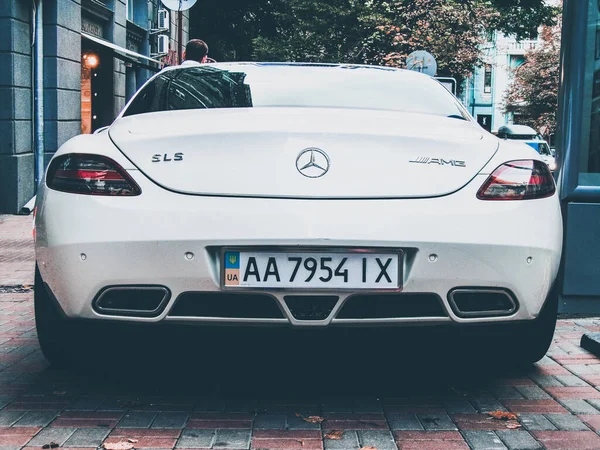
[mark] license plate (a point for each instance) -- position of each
(312, 270)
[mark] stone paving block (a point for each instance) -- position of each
(568, 439)
(233, 439)
(349, 441)
(535, 406)
(536, 422)
(170, 420)
(439, 422)
(584, 393)
(594, 402)
(485, 405)
(592, 421)
(137, 419)
(196, 438)
(112, 404)
(36, 419)
(86, 404)
(533, 392)
(344, 421)
(404, 421)
(288, 439)
(163, 433)
(47, 435)
(297, 423)
(484, 440)
(380, 439)
(430, 440)
(5, 400)
(367, 405)
(270, 421)
(478, 422)
(578, 406)
(458, 406)
(337, 406)
(571, 380)
(567, 422)
(518, 440)
(87, 437)
(7, 418)
(506, 392)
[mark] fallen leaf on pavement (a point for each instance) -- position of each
(122, 445)
(502, 415)
(313, 419)
(133, 441)
(335, 435)
(50, 445)
(513, 426)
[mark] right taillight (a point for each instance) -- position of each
(79, 173)
(518, 180)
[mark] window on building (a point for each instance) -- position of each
(533, 34)
(129, 9)
(487, 79)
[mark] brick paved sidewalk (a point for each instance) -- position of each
(557, 401)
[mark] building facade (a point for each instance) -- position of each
(93, 56)
(483, 93)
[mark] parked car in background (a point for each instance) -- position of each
(530, 137)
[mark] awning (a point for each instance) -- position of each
(124, 54)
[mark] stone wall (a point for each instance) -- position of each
(16, 150)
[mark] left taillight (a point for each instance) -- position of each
(90, 174)
(518, 180)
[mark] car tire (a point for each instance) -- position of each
(532, 340)
(52, 327)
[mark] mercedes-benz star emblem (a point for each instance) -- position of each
(312, 162)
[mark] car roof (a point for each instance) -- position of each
(361, 68)
(517, 129)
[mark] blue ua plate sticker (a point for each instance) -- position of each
(232, 269)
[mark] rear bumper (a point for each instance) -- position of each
(85, 244)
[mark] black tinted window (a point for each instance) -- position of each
(271, 85)
(193, 88)
(152, 97)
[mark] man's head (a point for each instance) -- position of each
(196, 50)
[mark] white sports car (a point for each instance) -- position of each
(299, 195)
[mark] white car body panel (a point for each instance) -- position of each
(85, 243)
(261, 146)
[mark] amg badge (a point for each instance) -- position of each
(439, 161)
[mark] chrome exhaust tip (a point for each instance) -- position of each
(133, 301)
(482, 302)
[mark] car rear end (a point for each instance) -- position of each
(419, 219)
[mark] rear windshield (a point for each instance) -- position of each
(246, 86)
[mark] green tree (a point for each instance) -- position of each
(314, 31)
(361, 31)
(452, 30)
(533, 93)
(230, 26)
(522, 18)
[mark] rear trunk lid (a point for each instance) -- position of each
(258, 152)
